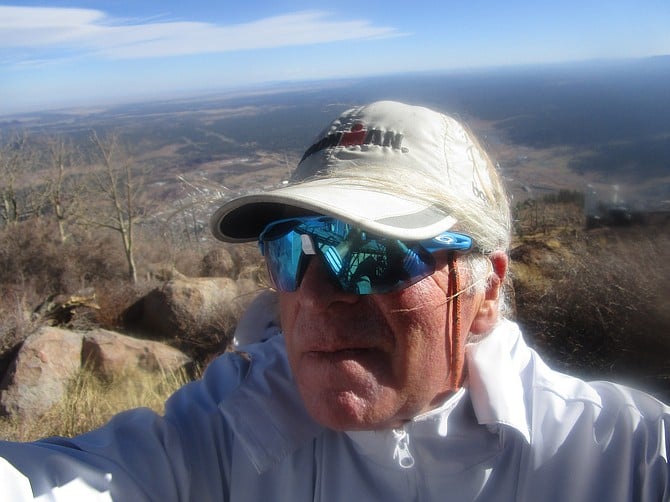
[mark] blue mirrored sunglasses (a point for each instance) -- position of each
(362, 263)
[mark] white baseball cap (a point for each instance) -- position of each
(377, 142)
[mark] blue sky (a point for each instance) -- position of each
(87, 52)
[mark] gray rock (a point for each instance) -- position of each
(111, 354)
(197, 314)
(40, 373)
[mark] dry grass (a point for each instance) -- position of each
(91, 401)
(596, 303)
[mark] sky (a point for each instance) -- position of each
(85, 53)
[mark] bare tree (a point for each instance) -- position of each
(119, 209)
(17, 162)
(64, 192)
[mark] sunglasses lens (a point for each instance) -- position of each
(362, 264)
(284, 257)
(375, 265)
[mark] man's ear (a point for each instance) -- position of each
(487, 314)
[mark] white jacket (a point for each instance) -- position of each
(517, 431)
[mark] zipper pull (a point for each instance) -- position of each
(401, 452)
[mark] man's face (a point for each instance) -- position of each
(372, 361)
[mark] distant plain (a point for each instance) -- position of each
(550, 127)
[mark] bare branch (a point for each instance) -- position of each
(18, 161)
(116, 185)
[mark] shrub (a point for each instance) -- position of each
(598, 305)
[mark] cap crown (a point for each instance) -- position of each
(388, 137)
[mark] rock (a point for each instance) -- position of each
(199, 314)
(111, 354)
(218, 263)
(163, 272)
(47, 361)
(39, 376)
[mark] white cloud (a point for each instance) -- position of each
(30, 27)
(91, 31)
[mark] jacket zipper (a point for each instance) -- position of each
(401, 453)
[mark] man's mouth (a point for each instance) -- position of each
(346, 351)
(341, 355)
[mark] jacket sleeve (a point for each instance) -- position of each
(138, 455)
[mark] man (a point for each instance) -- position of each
(392, 374)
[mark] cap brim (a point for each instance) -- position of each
(244, 218)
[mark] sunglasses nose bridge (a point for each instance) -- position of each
(307, 244)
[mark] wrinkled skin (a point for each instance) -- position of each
(375, 361)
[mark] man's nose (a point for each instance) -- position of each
(319, 287)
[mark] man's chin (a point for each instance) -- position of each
(347, 403)
(347, 411)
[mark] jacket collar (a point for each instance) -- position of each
(494, 365)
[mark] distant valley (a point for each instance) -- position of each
(549, 127)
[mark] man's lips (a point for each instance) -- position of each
(334, 354)
(344, 351)
(341, 346)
